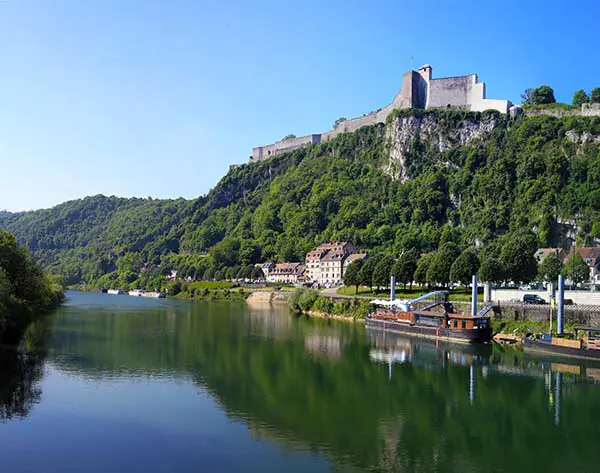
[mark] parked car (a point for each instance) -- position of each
(533, 299)
(569, 302)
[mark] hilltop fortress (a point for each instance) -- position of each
(419, 90)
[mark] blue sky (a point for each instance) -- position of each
(157, 98)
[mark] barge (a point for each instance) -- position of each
(437, 319)
(586, 344)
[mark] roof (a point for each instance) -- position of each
(541, 253)
(288, 268)
(589, 254)
(333, 256)
(355, 257)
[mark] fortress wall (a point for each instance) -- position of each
(479, 103)
(450, 91)
(264, 152)
(590, 109)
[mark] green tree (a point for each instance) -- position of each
(366, 271)
(580, 97)
(550, 268)
(464, 267)
(218, 275)
(542, 95)
(209, 274)
(405, 267)
(322, 304)
(576, 269)
(491, 270)
(291, 136)
(517, 257)
(338, 122)
(257, 273)
(423, 267)
(439, 269)
(526, 97)
(382, 272)
(595, 95)
(352, 275)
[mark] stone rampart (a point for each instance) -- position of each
(263, 152)
(418, 90)
(450, 92)
(587, 110)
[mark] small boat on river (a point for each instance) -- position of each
(115, 292)
(437, 318)
(585, 344)
(154, 294)
(135, 292)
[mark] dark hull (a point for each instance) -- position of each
(541, 347)
(453, 334)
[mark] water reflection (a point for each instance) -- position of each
(21, 371)
(369, 399)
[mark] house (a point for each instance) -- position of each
(591, 256)
(351, 259)
(326, 264)
(287, 273)
(541, 253)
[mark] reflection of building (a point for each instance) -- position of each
(323, 345)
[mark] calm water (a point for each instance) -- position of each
(124, 384)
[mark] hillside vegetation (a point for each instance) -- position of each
(462, 177)
(25, 291)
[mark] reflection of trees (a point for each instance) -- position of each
(419, 420)
(21, 370)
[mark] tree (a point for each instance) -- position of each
(464, 267)
(542, 95)
(383, 271)
(550, 268)
(338, 122)
(257, 273)
(491, 270)
(422, 268)
(580, 97)
(526, 97)
(352, 274)
(366, 271)
(595, 95)
(218, 275)
(439, 269)
(209, 274)
(322, 304)
(517, 257)
(405, 267)
(291, 136)
(576, 269)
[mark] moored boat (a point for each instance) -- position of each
(586, 344)
(135, 292)
(115, 291)
(437, 319)
(154, 294)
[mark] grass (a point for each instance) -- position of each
(458, 295)
(209, 285)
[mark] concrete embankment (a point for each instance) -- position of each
(264, 298)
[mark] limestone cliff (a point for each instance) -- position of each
(434, 131)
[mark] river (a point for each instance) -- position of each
(125, 384)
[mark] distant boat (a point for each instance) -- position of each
(154, 294)
(135, 292)
(116, 292)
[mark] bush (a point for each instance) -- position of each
(322, 304)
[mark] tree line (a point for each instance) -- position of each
(509, 260)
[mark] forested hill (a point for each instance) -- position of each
(422, 179)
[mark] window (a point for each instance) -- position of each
(464, 324)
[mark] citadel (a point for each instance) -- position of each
(419, 90)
